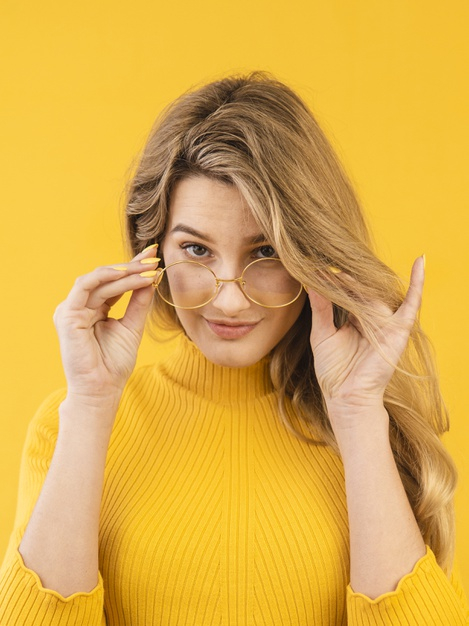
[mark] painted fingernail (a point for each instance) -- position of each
(335, 270)
(148, 274)
(153, 245)
(424, 260)
(121, 268)
(150, 260)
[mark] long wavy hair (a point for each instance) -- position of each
(256, 133)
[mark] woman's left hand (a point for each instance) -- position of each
(351, 373)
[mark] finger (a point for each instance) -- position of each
(145, 268)
(412, 302)
(84, 285)
(138, 309)
(147, 259)
(149, 251)
(322, 318)
(138, 276)
(109, 283)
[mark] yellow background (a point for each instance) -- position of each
(82, 83)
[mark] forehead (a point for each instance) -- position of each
(212, 206)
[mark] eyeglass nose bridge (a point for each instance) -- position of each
(230, 280)
(241, 282)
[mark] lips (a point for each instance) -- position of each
(229, 329)
(228, 323)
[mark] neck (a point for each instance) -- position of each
(188, 367)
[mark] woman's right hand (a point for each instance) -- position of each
(99, 352)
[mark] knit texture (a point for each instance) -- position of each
(213, 513)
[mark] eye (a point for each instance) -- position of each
(193, 249)
(266, 252)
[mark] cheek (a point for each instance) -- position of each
(186, 318)
(293, 312)
(281, 321)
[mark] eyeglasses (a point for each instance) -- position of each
(190, 284)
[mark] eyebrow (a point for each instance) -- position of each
(182, 228)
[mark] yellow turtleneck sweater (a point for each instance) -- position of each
(213, 514)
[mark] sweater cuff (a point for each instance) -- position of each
(26, 601)
(424, 596)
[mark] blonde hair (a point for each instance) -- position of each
(254, 132)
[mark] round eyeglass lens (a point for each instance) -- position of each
(187, 284)
(267, 282)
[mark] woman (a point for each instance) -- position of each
(283, 465)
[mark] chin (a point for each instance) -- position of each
(235, 353)
(227, 356)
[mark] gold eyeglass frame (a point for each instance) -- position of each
(219, 283)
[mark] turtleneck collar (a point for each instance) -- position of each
(188, 367)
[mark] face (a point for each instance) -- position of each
(209, 222)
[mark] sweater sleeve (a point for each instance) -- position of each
(424, 596)
(23, 599)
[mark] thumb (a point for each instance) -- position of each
(322, 326)
(137, 310)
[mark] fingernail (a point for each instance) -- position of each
(424, 260)
(150, 260)
(153, 245)
(148, 274)
(334, 270)
(121, 268)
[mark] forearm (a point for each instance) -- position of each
(61, 540)
(385, 540)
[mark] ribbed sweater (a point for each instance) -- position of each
(213, 514)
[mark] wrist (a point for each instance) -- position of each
(360, 428)
(93, 402)
(90, 414)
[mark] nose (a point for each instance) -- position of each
(230, 299)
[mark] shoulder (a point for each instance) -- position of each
(41, 435)
(45, 421)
